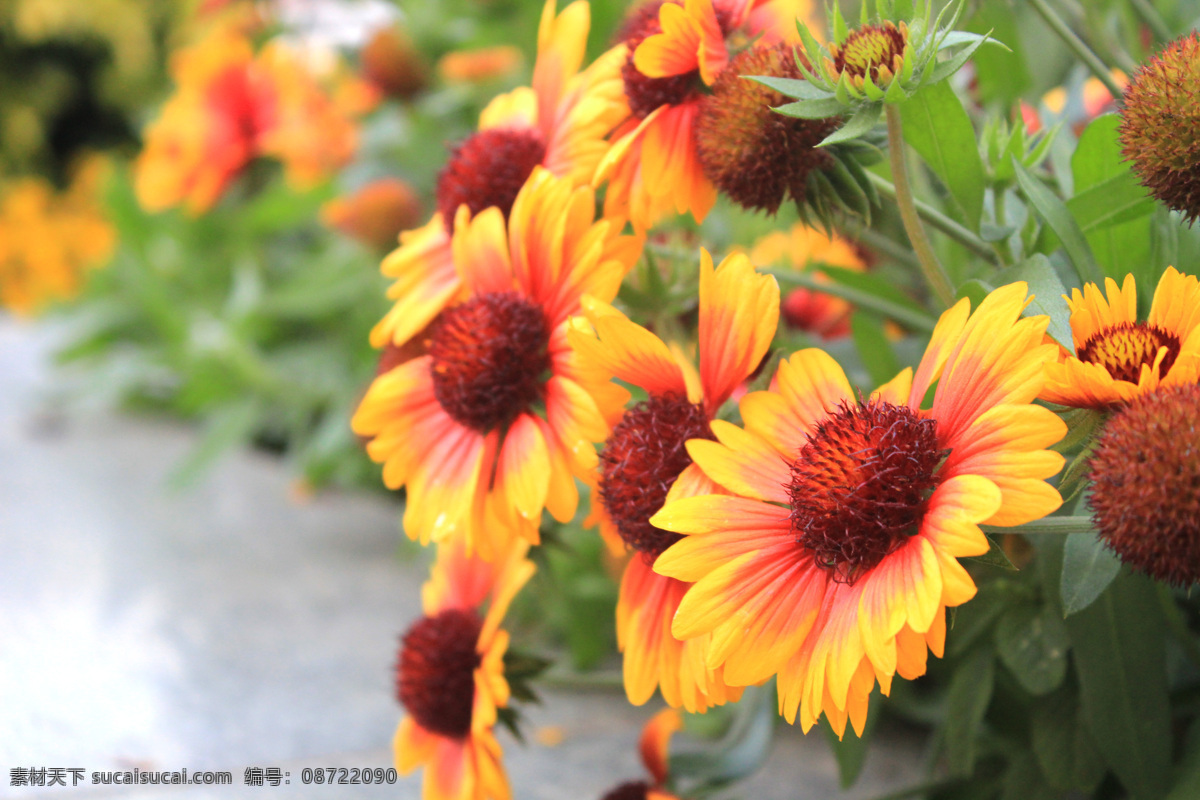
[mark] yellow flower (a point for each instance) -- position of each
(450, 675)
(1117, 358)
(48, 240)
(645, 461)
(834, 557)
(487, 429)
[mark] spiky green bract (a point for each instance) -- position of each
(759, 159)
(1000, 144)
(886, 59)
(1160, 125)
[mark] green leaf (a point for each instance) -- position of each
(791, 87)
(1056, 215)
(1032, 642)
(938, 128)
(1064, 748)
(1003, 76)
(741, 751)
(947, 68)
(873, 347)
(812, 109)
(864, 119)
(966, 702)
(1119, 643)
(1119, 199)
(851, 750)
(1187, 786)
(1089, 566)
(994, 557)
(1048, 291)
(1023, 780)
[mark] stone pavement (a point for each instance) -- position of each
(232, 625)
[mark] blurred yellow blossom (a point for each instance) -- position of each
(48, 239)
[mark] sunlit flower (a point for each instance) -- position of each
(1160, 125)
(1116, 357)
(676, 51)
(560, 123)
(489, 427)
(803, 247)
(834, 559)
(376, 213)
(656, 736)
(450, 676)
(1144, 473)
(645, 462)
(48, 240)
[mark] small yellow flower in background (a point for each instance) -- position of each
(48, 240)
(480, 65)
(803, 247)
(1117, 358)
(450, 675)
(835, 556)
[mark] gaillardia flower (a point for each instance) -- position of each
(450, 675)
(755, 156)
(677, 49)
(834, 557)
(560, 124)
(656, 737)
(375, 213)
(645, 461)
(1160, 125)
(490, 424)
(1145, 474)
(1118, 358)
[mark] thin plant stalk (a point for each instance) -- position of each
(935, 273)
(1047, 526)
(940, 221)
(1077, 46)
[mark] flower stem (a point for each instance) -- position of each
(1153, 19)
(1077, 46)
(909, 317)
(1046, 526)
(935, 273)
(938, 220)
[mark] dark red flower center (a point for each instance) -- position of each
(634, 790)
(435, 676)
(861, 484)
(488, 169)
(1124, 348)
(1146, 484)
(639, 462)
(489, 359)
(868, 48)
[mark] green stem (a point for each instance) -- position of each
(935, 273)
(908, 317)
(1077, 46)
(1153, 19)
(877, 241)
(939, 220)
(1047, 526)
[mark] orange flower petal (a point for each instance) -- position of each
(739, 311)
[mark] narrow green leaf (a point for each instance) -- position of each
(967, 700)
(1119, 643)
(791, 87)
(864, 119)
(1048, 291)
(874, 349)
(811, 109)
(994, 557)
(1056, 215)
(938, 128)
(900, 312)
(1064, 748)
(947, 68)
(1032, 642)
(1088, 568)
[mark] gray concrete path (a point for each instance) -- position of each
(234, 625)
